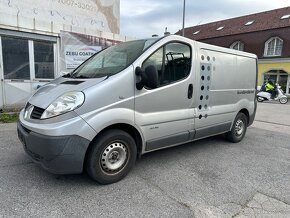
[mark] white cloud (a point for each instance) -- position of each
(146, 17)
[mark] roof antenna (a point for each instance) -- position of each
(166, 33)
(199, 23)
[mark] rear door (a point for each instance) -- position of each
(163, 113)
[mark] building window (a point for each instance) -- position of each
(249, 23)
(273, 47)
(15, 58)
(18, 56)
(287, 16)
(238, 45)
(220, 28)
(44, 60)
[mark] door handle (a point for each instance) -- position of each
(190, 91)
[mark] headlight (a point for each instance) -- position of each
(65, 103)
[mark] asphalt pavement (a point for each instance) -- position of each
(207, 178)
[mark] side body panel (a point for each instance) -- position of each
(227, 84)
(110, 102)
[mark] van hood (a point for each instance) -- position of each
(46, 94)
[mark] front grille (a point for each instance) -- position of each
(37, 112)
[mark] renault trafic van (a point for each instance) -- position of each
(134, 98)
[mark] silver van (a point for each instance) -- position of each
(137, 97)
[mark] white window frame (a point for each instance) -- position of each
(1, 61)
(31, 59)
(240, 45)
(275, 47)
(31, 37)
(2, 92)
(2, 65)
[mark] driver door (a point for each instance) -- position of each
(162, 113)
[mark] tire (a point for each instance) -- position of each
(283, 100)
(260, 99)
(239, 128)
(111, 156)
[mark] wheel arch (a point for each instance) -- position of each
(131, 130)
(246, 112)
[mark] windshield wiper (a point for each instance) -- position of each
(68, 75)
(81, 77)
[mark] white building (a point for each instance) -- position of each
(37, 39)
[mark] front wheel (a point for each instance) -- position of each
(239, 128)
(283, 100)
(260, 99)
(111, 156)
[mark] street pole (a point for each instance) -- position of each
(183, 17)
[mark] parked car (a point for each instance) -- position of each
(137, 97)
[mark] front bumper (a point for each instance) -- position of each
(57, 154)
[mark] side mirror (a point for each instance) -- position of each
(62, 73)
(149, 77)
(66, 74)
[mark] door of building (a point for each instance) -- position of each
(26, 63)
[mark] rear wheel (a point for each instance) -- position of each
(239, 128)
(283, 100)
(111, 156)
(260, 99)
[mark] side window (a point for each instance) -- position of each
(172, 61)
(155, 59)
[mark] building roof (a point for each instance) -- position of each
(273, 19)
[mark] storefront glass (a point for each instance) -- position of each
(278, 76)
(15, 58)
(44, 60)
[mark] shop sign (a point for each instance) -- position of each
(76, 54)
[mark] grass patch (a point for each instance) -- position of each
(9, 117)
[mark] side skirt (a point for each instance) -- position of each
(169, 141)
(212, 130)
(185, 137)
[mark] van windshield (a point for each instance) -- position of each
(112, 60)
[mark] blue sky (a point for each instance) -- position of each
(142, 18)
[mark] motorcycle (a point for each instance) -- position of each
(266, 96)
